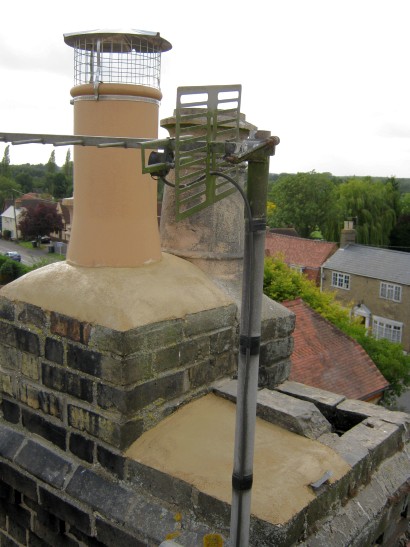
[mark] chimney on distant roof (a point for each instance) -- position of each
(348, 234)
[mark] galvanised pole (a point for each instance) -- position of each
(250, 333)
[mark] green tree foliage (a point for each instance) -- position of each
(51, 165)
(8, 190)
(25, 180)
(305, 201)
(400, 235)
(40, 220)
(373, 204)
(68, 172)
(310, 201)
(281, 283)
(11, 270)
(5, 163)
(405, 204)
(57, 185)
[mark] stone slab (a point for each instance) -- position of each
(312, 394)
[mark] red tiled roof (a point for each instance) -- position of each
(326, 358)
(299, 251)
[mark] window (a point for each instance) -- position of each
(387, 328)
(340, 280)
(390, 291)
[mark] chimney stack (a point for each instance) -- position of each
(348, 234)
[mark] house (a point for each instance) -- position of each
(304, 255)
(284, 231)
(9, 218)
(375, 284)
(326, 358)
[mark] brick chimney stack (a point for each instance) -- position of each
(348, 234)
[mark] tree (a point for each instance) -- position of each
(8, 187)
(25, 181)
(40, 220)
(405, 204)
(5, 162)
(51, 165)
(374, 205)
(68, 166)
(281, 283)
(306, 201)
(57, 185)
(400, 235)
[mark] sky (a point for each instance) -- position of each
(330, 78)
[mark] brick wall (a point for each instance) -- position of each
(79, 385)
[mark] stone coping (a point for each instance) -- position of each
(132, 297)
(116, 496)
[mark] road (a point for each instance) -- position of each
(28, 256)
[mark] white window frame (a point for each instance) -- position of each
(390, 291)
(297, 268)
(387, 328)
(341, 281)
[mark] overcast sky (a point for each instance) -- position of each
(329, 77)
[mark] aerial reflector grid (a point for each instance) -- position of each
(206, 118)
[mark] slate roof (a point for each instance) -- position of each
(326, 358)
(372, 262)
(300, 251)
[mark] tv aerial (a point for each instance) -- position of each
(204, 155)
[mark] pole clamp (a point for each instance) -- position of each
(242, 483)
(252, 343)
(258, 225)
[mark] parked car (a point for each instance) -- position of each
(13, 255)
(45, 239)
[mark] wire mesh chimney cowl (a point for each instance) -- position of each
(109, 56)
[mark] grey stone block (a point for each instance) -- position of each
(111, 428)
(27, 341)
(10, 442)
(44, 427)
(129, 401)
(363, 410)
(7, 309)
(7, 334)
(67, 382)
(272, 374)
(376, 438)
(163, 486)
(312, 394)
(222, 341)
(293, 414)
(44, 464)
(226, 388)
(54, 350)
(209, 320)
(110, 499)
(33, 315)
(276, 350)
(10, 358)
(196, 349)
(84, 360)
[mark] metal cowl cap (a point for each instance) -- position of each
(118, 40)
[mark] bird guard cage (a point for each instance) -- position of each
(114, 56)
